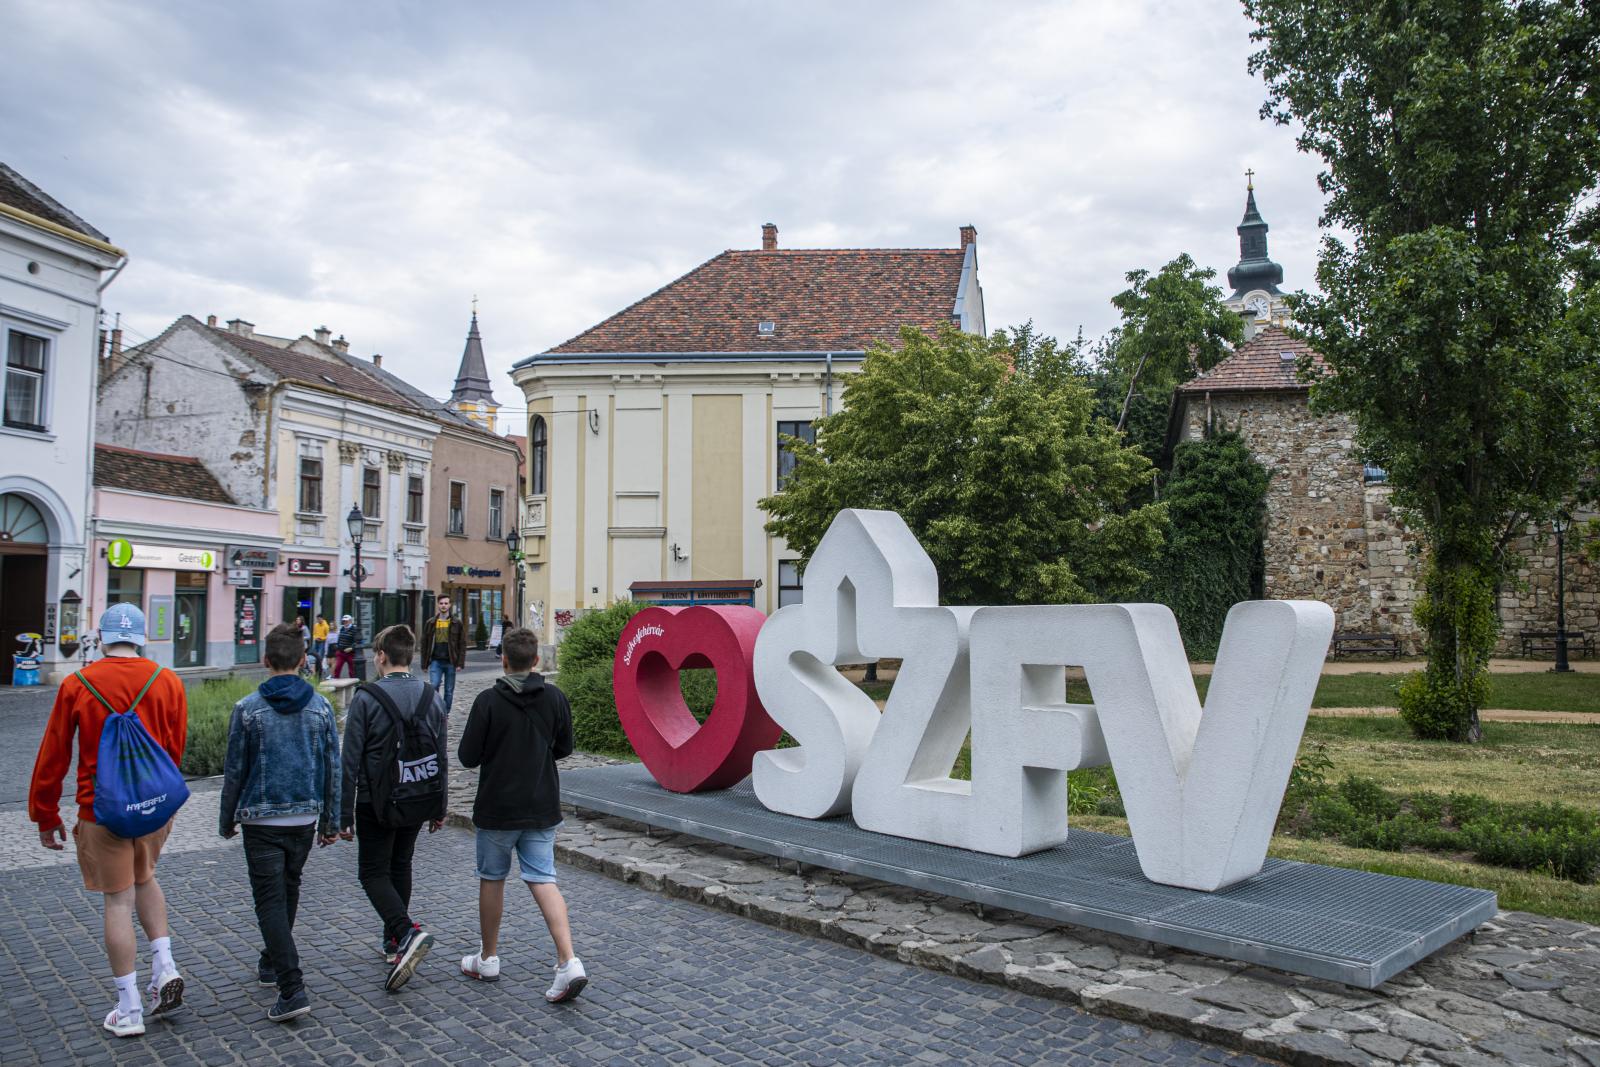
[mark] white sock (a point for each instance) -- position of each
(128, 1002)
(161, 955)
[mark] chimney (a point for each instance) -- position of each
(769, 237)
(211, 320)
(116, 345)
(241, 327)
(322, 333)
(341, 345)
(969, 236)
(377, 359)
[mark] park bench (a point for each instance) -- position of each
(1346, 642)
(1537, 641)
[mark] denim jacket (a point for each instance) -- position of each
(283, 756)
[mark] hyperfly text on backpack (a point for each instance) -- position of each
(409, 789)
(137, 787)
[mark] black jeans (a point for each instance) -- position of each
(275, 856)
(383, 860)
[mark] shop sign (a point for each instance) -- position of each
(239, 576)
(472, 572)
(252, 558)
(158, 621)
(121, 553)
(310, 567)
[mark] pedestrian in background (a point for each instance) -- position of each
(281, 780)
(395, 780)
(444, 650)
(319, 646)
(122, 870)
(344, 655)
(515, 732)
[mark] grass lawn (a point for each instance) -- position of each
(1514, 761)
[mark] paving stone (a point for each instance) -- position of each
(1544, 1006)
(1320, 1049)
(1238, 995)
(1424, 1032)
(1384, 1046)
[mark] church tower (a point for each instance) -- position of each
(472, 395)
(1255, 278)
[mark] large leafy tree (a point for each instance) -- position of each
(1458, 323)
(1174, 326)
(989, 449)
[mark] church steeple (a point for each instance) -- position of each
(1254, 271)
(473, 395)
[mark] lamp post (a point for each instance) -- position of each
(357, 524)
(514, 551)
(1561, 521)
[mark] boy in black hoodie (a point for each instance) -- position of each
(516, 732)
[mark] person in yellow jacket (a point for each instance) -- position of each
(319, 646)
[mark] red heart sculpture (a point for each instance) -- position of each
(686, 756)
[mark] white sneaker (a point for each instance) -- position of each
(125, 1025)
(570, 980)
(483, 968)
(166, 991)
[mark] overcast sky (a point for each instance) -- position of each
(372, 166)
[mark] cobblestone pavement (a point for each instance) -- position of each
(672, 982)
(23, 713)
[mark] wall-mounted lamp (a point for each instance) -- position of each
(678, 555)
(594, 420)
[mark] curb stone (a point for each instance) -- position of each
(1457, 1006)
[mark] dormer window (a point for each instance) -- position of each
(1287, 355)
(766, 327)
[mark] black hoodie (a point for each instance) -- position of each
(516, 732)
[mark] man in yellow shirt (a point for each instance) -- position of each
(319, 646)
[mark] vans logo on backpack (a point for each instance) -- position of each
(419, 770)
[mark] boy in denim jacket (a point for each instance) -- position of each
(281, 780)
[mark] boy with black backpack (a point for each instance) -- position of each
(395, 779)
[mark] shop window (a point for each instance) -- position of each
(788, 582)
(125, 587)
(27, 363)
(805, 432)
(371, 492)
(497, 511)
(458, 509)
(310, 485)
(414, 499)
(538, 460)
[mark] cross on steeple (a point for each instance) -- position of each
(474, 305)
(1250, 180)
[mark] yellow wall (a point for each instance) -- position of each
(718, 475)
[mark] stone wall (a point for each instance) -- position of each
(1333, 538)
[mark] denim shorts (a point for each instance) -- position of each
(535, 849)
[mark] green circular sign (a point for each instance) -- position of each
(207, 560)
(119, 553)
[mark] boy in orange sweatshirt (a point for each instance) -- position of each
(123, 869)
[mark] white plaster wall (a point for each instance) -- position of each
(564, 425)
(680, 481)
(596, 502)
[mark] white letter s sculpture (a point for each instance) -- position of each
(1201, 789)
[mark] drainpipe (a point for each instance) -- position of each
(827, 378)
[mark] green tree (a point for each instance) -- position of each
(1457, 325)
(1216, 499)
(989, 450)
(1174, 326)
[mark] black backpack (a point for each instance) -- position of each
(409, 787)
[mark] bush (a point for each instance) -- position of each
(1431, 702)
(210, 709)
(586, 656)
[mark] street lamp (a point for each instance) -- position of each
(1561, 522)
(514, 550)
(357, 524)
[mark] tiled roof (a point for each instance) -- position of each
(1258, 365)
(818, 300)
(156, 472)
(20, 193)
(318, 370)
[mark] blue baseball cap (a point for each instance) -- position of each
(122, 624)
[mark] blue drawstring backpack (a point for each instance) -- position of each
(137, 787)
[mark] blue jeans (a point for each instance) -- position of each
(443, 668)
(535, 849)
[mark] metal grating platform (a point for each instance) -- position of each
(1350, 926)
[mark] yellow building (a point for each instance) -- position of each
(652, 435)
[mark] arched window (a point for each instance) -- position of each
(539, 445)
(20, 522)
